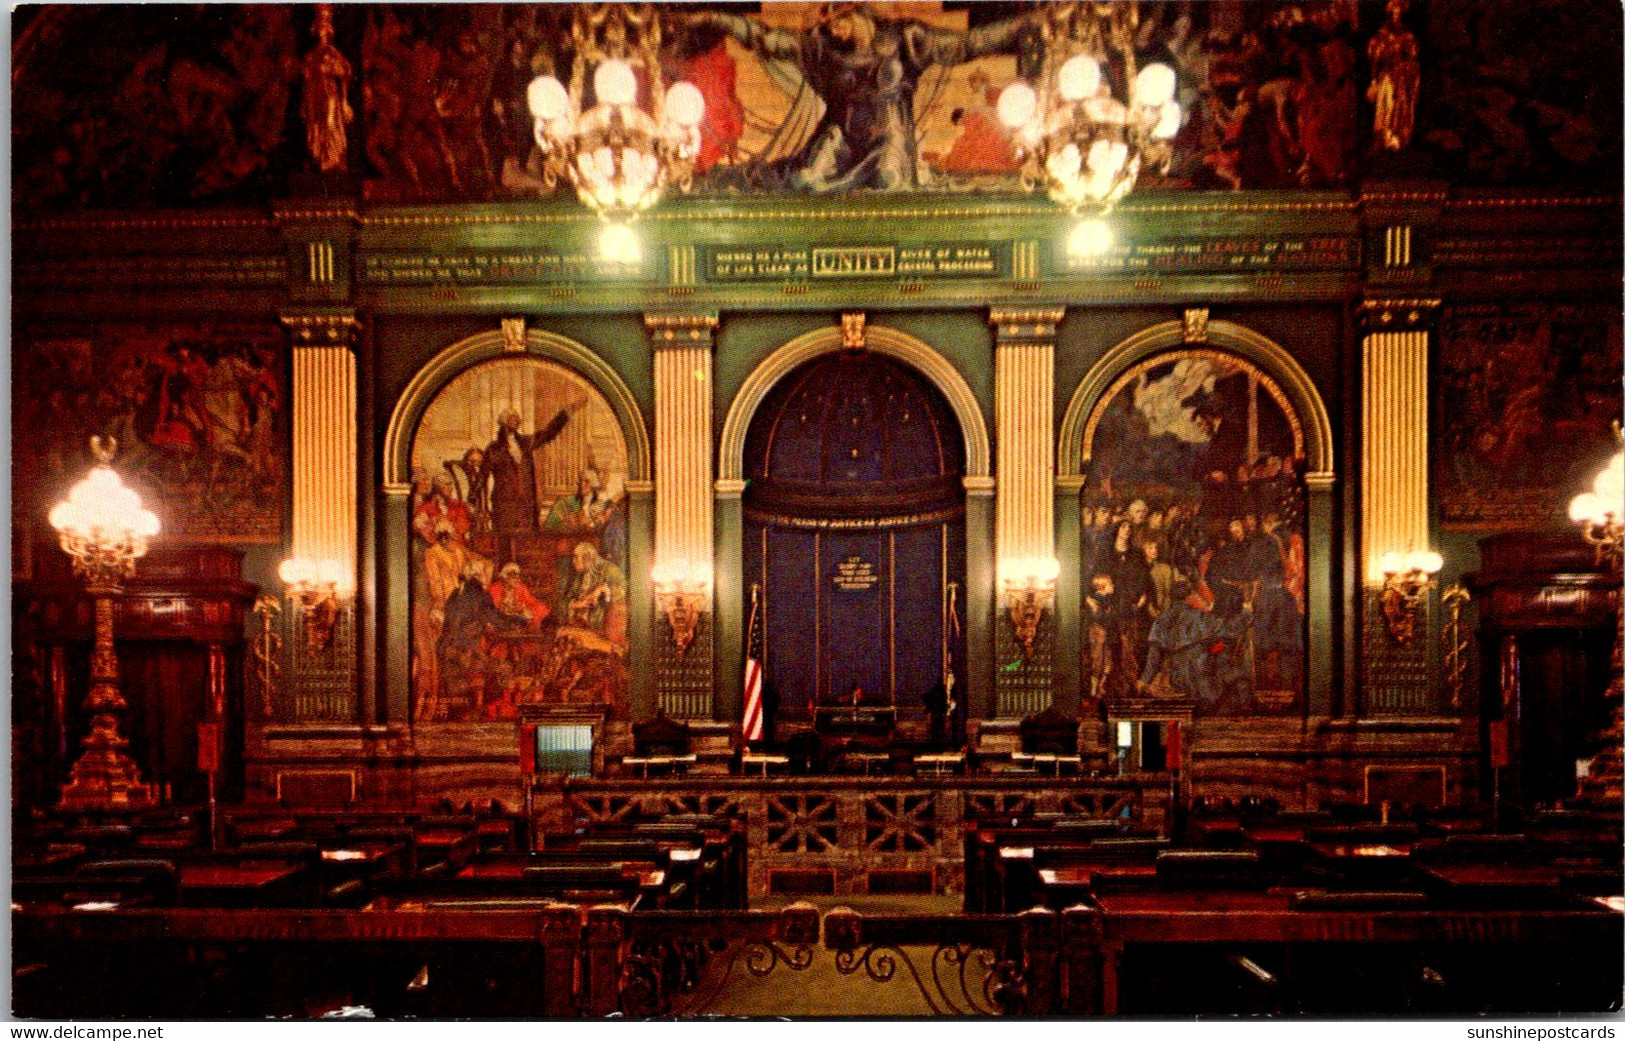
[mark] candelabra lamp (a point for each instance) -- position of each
(1405, 581)
(104, 528)
(1029, 592)
(317, 587)
(683, 592)
(618, 157)
(1092, 118)
(1599, 513)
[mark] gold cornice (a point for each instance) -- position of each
(1320, 481)
(398, 491)
(1070, 484)
(314, 214)
(745, 212)
(640, 487)
(1393, 197)
(980, 487)
(321, 330)
(175, 223)
(1012, 322)
(1393, 315)
(1529, 201)
(680, 329)
(730, 488)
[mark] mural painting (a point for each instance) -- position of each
(199, 412)
(518, 546)
(1193, 538)
(1525, 413)
(427, 102)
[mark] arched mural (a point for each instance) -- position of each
(1193, 531)
(518, 545)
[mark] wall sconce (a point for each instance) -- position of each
(316, 586)
(1406, 578)
(1029, 591)
(683, 592)
(1599, 512)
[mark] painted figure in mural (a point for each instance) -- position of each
(326, 104)
(441, 507)
(706, 63)
(595, 505)
(513, 598)
(1395, 76)
(1103, 627)
(865, 69)
(983, 145)
(510, 468)
(1189, 650)
(468, 612)
(596, 595)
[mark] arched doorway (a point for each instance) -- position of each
(854, 537)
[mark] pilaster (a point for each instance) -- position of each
(322, 680)
(1024, 508)
(1394, 493)
(684, 525)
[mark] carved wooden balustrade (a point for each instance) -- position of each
(843, 835)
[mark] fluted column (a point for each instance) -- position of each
(323, 683)
(1024, 510)
(1394, 494)
(684, 530)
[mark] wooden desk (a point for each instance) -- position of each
(457, 845)
(58, 856)
(749, 760)
(1039, 760)
(677, 764)
(364, 859)
(1490, 878)
(942, 762)
(247, 884)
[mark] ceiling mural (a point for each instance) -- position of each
(226, 104)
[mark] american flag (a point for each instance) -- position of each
(753, 672)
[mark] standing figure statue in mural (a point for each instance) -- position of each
(326, 105)
(865, 70)
(1395, 75)
(510, 468)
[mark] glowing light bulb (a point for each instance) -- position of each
(615, 83)
(1154, 85)
(1168, 124)
(1089, 238)
(547, 98)
(685, 105)
(619, 244)
(1079, 77)
(1017, 103)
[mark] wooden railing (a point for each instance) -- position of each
(841, 835)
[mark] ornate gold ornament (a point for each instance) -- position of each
(1029, 592)
(1406, 578)
(683, 593)
(317, 587)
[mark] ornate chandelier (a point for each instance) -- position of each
(618, 156)
(1074, 135)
